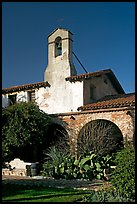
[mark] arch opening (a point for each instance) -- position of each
(58, 46)
(100, 136)
(57, 137)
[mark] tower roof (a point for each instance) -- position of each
(58, 29)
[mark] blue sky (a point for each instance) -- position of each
(103, 38)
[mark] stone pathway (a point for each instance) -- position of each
(61, 183)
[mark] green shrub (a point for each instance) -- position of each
(52, 160)
(87, 166)
(105, 196)
(123, 177)
(91, 166)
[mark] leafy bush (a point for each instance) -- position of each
(91, 166)
(123, 177)
(88, 166)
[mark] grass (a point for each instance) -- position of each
(27, 193)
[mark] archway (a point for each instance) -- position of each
(100, 136)
(58, 137)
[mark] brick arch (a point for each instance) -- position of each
(120, 118)
(61, 123)
(105, 126)
(103, 119)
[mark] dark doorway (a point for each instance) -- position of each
(57, 136)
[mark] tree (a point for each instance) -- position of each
(23, 125)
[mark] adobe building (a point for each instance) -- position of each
(75, 100)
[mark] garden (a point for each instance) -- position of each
(24, 127)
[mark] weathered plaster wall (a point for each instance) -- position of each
(62, 98)
(23, 96)
(102, 87)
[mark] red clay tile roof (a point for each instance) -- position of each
(87, 75)
(111, 101)
(25, 87)
(108, 72)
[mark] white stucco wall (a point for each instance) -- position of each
(61, 98)
(77, 94)
(22, 96)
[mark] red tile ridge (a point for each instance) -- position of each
(119, 100)
(89, 74)
(22, 87)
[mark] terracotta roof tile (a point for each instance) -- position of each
(111, 101)
(87, 75)
(25, 87)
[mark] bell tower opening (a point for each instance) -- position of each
(58, 46)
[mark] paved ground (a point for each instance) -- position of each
(61, 183)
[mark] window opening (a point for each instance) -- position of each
(91, 93)
(12, 99)
(58, 46)
(31, 96)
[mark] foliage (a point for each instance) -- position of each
(53, 158)
(5, 151)
(100, 136)
(123, 177)
(87, 166)
(23, 123)
(105, 196)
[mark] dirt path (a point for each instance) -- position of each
(61, 183)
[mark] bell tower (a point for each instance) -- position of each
(60, 57)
